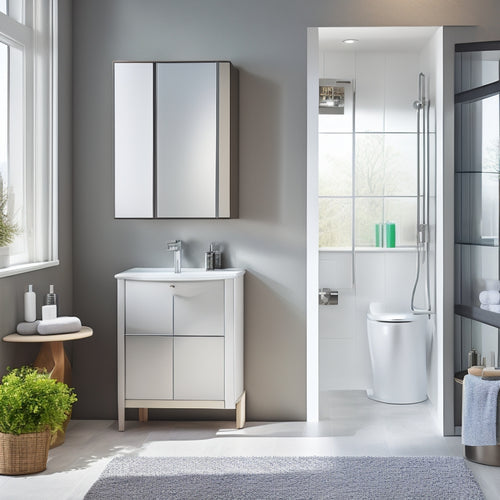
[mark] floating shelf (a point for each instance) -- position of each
(478, 314)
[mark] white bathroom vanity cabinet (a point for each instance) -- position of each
(180, 340)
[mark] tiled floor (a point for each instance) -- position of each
(352, 425)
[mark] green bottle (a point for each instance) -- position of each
(390, 234)
(379, 235)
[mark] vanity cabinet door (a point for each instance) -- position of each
(149, 367)
(199, 308)
(199, 368)
(148, 308)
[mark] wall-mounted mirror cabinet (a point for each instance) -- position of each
(176, 140)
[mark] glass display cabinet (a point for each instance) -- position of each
(477, 167)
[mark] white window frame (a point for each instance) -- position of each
(38, 37)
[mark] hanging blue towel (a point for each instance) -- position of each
(479, 411)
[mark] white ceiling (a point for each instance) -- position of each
(395, 38)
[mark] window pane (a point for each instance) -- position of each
(335, 222)
(335, 164)
(16, 156)
(14, 9)
(3, 112)
(386, 164)
(369, 164)
(400, 162)
(369, 212)
(402, 211)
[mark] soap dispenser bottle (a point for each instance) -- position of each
(30, 305)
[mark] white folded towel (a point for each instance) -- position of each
(494, 308)
(27, 327)
(486, 307)
(489, 297)
(63, 324)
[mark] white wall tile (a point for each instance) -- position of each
(339, 65)
(339, 321)
(401, 89)
(370, 276)
(400, 269)
(370, 92)
(335, 270)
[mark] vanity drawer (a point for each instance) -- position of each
(199, 308)
(148, 308)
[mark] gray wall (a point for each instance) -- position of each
(12, 288)
(266, 40)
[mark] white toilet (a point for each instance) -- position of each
(397, 342)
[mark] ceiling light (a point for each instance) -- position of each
(350, 41)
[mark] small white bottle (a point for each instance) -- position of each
(30, 305)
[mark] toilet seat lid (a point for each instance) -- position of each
(393, 317)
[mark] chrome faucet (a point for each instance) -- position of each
(176, 247)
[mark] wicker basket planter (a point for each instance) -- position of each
(24, 453)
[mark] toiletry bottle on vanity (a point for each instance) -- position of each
(30, 305)
(209, 261)
(217, 253)
(49, 310)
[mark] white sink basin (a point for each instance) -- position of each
(186, 274)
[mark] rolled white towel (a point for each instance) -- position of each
(63, 324)
(486, 307)
(27, 327)
(489, 297)
(494, 308)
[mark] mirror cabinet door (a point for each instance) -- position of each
(186, 139)
(133, 153)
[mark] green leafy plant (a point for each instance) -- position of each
(31, 401)
(8, 228)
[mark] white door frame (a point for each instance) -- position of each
(312, 252)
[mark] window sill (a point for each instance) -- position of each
(27, 268)
(368, 249)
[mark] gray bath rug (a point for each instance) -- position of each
(343, 478)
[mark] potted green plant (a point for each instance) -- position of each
(8, 228)
(33, 406)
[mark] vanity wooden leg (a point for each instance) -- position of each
(143, 414)
(241, 411)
